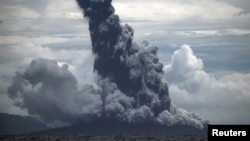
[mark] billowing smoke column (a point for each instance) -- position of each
(135, 69)
(131, 85)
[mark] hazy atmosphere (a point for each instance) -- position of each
(203, 46)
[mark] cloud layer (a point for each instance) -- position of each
(193, 88)
(172, 11)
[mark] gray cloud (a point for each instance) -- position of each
(38, 6)
(242, 4)
(50, 92)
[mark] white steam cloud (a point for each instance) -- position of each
(193, 88)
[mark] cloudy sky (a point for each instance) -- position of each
(203, 44)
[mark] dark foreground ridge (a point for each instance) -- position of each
(112, 127)
(15, 124)
(105, 138)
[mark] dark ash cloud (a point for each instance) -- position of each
(135, 69)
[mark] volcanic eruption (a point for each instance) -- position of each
(132, 88)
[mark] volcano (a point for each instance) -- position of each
(132, 94)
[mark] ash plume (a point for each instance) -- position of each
(135, 69)
(132, 88)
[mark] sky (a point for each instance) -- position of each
(204, 46)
